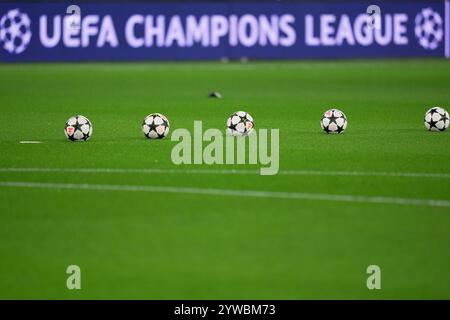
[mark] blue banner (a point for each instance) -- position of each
(197, 31)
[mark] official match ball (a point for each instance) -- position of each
(333, 121)
(155, 126)
(240, 123)
(436, 119)
(78, 128)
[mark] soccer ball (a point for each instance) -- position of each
(155, 126)
(436, 119)
(78, 128)
(333, 121)
(240, 123)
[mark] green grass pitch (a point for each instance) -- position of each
(158, 245)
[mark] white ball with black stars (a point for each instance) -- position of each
(78, 128)
(333, 121)
(155, 126)
(240, 123)
(436, 119)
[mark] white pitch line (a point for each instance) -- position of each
(230, 192)
(233, 171)
(131, 170)
(365, 173)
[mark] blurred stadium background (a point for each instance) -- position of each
(208, 30)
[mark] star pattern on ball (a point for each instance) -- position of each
(332, 118)
(432, 123)
(340, 129)
(330, 115)
(77, 127)
(244, 119)
(436, 123)
(153, 127)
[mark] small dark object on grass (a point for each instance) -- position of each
(215, 94)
